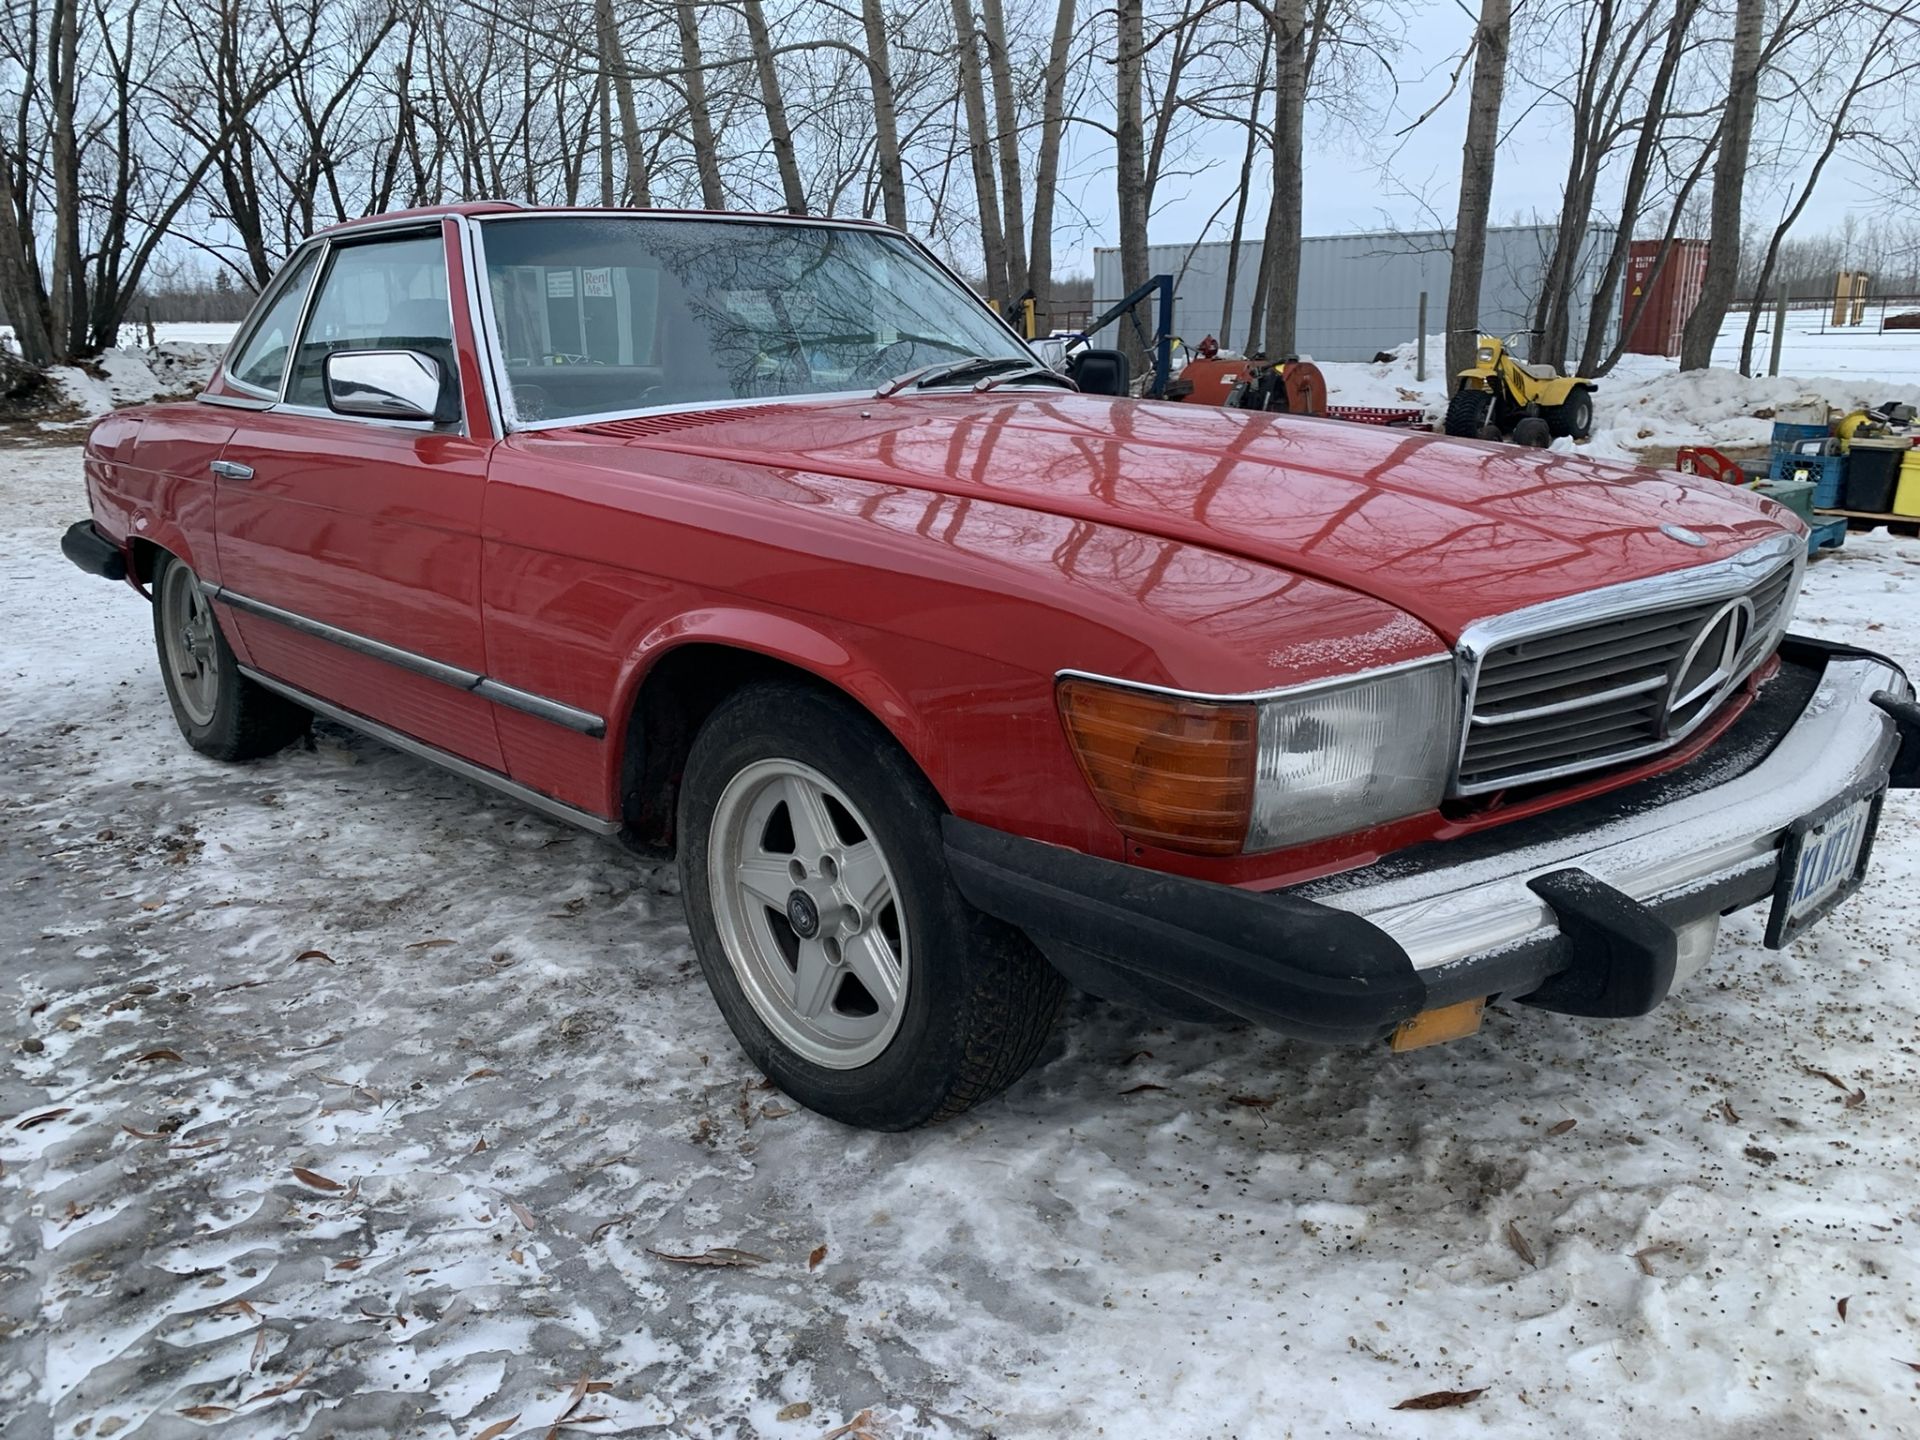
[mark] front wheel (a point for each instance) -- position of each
(1467, 412)
(220, 711)
(840, 953)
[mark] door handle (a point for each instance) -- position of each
(232, 470)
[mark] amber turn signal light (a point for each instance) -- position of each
(1169, 772)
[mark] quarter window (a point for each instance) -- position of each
(382, 295)
(262, 361)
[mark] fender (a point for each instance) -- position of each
(793, 642)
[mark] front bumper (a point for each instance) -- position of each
(1588, 909)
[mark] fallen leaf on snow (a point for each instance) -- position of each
(145, 1134)
(239, 1307)
(285, 1387)
(1760, 1155)
(482, 1074)
(259, 1349)
(1138, 1088)
(523, 1215)
(205, 1412)
(352, 1262)
(315, 1179)
(435, 944)
(1252, 1102)
(313, 955)
(858, 1428)
(152, 1055)
(498, 1428)
(1520, 1248)
(1562, 1127)
(42, 1118)
(1842, 1306)
(1441, 1399)
(798, 1410)
(721, 1255)
(819, 1254)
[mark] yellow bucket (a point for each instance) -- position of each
(1906, 499)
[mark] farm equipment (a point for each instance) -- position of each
(1288, 387)
(1501, 397)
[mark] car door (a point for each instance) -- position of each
(349, 547)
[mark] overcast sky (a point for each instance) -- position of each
(1380, 180)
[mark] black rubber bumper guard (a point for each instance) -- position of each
(86, 547)
(1295, 965)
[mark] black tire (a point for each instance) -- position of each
(244, 721)
(1467, 412)
(1573, 416)
(979, 999)
(1532, 431)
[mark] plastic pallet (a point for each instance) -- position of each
(1827, 535)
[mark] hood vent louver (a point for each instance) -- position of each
(646, 427)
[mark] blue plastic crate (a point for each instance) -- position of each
(1827, 472)
(1786, 436)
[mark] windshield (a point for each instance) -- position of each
(604, 313)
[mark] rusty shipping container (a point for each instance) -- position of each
(1670, 295)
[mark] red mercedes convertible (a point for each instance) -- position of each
(762, 542)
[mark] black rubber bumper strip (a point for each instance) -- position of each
(1904, 774)
(93, 552)
(1286, 963)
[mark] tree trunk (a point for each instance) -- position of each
(1639, 173)
(1729, 189)
(1240, 195)
(1283, 229)
(66, 314)
(1476, 182)
(886, 123)
(993, 238)
(1130, 168)
(1046, 179)
(603, 105)
(705, 157)
(779, 132)
(1012, 202)
(613, 59)
(19, 286)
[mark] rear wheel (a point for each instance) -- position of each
(1572, 416)
(1532, 431)
(1467, 411)
(219, 710)
(841, 955)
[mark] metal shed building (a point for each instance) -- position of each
(1360, 294)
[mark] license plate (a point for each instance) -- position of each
(1823, 862)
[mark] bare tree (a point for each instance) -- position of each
(779, 132)
(1047, 164)
(1729, 188)
(993, 241)
(1476, 180)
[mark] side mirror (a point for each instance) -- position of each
(384, 384)
(1052, 351)
(1102, 372)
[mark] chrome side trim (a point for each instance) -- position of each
(477, 321)
(347, 639)
(528, 703)
(1454, 912)
(1352, 677)
(584, 722)
(235, 402)
(466, 769)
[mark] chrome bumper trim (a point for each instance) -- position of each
(1453, 912)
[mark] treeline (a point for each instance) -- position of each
(137, 130)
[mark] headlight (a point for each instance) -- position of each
(1217, 777)
(1486, 355)
(1338, 758)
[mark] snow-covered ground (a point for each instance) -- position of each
(343, 1099)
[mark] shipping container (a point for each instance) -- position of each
(1360, 294)
(1669, 297)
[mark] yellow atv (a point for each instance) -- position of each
(1501, 398)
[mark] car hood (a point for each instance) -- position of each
(1447, 530)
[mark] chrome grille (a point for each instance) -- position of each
(1596, 680)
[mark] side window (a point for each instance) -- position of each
(381, 295)
(263, 359)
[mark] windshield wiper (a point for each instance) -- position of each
(947, 372)
(1025, 375)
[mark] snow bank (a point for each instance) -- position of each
(169, 370)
